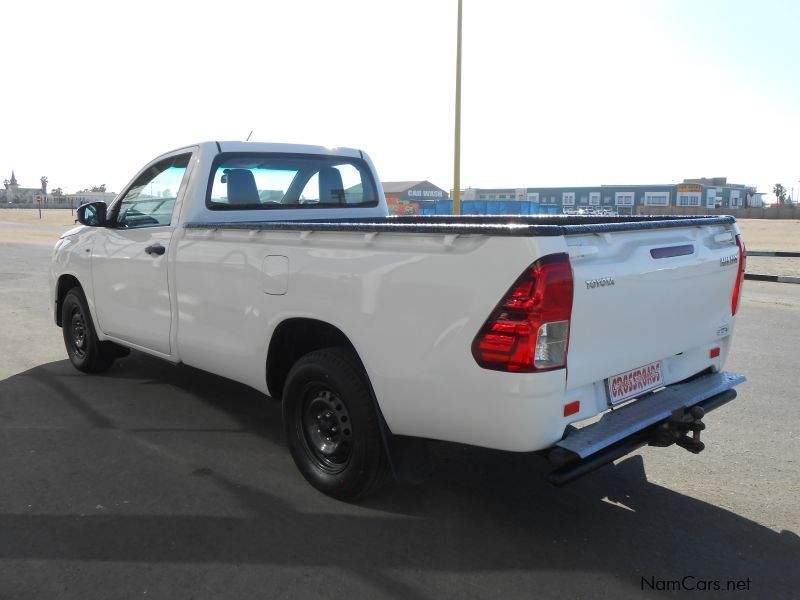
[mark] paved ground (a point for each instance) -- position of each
(771, 234)
(770, 265)
(155, 481)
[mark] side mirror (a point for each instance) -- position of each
(92, 214)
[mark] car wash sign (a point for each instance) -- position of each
(426, 194)
(421, 191)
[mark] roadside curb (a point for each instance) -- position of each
(777, 254)
(778, 278)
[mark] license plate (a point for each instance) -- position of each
(634, 383)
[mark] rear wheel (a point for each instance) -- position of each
(331, 425)
(86, 352)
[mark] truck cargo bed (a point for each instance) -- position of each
(511, 225)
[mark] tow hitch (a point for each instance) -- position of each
(674, 430)
(662, 419)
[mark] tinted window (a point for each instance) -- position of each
(265, 181)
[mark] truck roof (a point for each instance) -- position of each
(239, 146)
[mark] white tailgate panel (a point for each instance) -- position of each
(655, 308)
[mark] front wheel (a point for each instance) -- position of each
(331, 425)
(85, 351)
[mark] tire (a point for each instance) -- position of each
(332, 427)
(85, 351)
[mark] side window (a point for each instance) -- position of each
(280, 181)
(149, 202)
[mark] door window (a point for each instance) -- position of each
(149, 202)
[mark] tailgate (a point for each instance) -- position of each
(642, 296)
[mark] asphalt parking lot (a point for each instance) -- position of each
(156, 481)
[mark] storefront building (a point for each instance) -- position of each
(411, 197)
(619, 199)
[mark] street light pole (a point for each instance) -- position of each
(457, 152)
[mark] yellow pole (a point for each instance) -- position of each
(457, 154)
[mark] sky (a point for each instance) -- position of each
(553, 93)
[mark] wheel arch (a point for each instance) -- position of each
(64, 284)
(295, 337)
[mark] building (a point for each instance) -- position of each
(13, 193)
(411, 197)
(16, 194)
(84, 197)
(621, 199)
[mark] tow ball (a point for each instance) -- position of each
(675, 430)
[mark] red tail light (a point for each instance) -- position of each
(529, 329)
(737, 289)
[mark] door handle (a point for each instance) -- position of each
(155, 249)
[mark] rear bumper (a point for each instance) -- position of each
(622, 431)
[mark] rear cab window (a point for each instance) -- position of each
(266, 181)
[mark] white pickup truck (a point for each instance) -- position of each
(277, 266)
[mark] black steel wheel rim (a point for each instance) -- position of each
(78, 334)
(326, 428)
